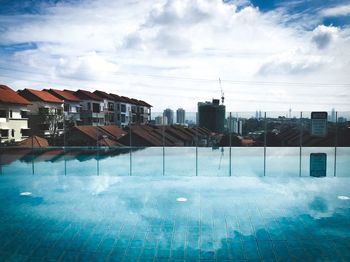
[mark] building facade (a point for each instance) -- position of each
(13, 116)
(169, 114)
(71, 106)
(45, 117)
(92, 108)
(180, 116)
(211, 115)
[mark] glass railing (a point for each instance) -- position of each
(178, 161)
(252, 144)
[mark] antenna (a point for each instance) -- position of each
(222, 93)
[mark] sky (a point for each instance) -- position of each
(269, 55)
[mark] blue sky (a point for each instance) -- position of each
(270, 55)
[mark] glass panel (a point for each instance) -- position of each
(180, 161)
(147, 161)
(16, 162)
(248, 161)
(214, 161)
(114, 162)
(81, 161)
(306, 158)
(318, 128)
(343, 130)
(343, 162)
(282, 161)
(283, 128)
(49, 162)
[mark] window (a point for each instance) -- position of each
(66, 107)
(25, 132)
(89, 106)
(11, 114)
(96, 108)
(141, 110)
(4, 132)
(43, 111)
(3, 113)
(13, 133)
(24, 114)
(123, 108)
(44, 127)
(110, 106)
(111, 117)
(118, 117)
(123, 118)
(59, 111)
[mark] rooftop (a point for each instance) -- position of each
(9, 96)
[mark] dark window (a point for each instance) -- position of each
(141, 119)
(118, 117)
(24, 114)
(111, 117)
(110, 106)
(25, 132)
(96, 108)
(95, 120)
(10, 113)
(123, 118)
(4, 132)
(13, 133)
(123, 108)
(89, 106)
(43, 111)
(66, 107)
(141, 110)
(44, 127)
(59, 111)
(3, 113)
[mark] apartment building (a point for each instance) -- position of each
(71, 106)
(13, 116)
(109, 108)
(92, 108)
(45, 117)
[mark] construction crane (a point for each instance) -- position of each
(222, 92)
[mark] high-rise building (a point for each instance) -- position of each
(333, 116)
(161, 120)
(169, 114)
(212, 115)
(180, 116)
(234, 125)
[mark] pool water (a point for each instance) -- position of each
(51, 215)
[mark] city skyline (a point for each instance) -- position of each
(94, 45)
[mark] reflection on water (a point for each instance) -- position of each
(179, 161)
(146, 218)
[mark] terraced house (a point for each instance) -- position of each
(45, 116)
(13, 116)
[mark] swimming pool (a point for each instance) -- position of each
(90, 206)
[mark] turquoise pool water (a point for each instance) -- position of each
(87, 207)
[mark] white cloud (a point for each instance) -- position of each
(341, 10)
(119, 46)
(324, 35)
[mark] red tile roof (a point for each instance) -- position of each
(104, 95)
(87, 95)
(35, 95)
(64, 95)
(35, 141)
(113, 130)
(108, 142)
(8, 96)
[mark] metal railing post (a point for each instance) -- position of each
(230, 143)
(265, 137)
(336, 143)
(300, 141)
